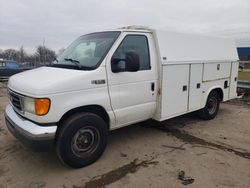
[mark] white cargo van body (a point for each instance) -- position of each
(190, 67)
(107, 80)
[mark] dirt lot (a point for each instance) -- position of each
(244, 74)
(214, 153)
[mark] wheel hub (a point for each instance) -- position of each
(212, 105)
(84, 140)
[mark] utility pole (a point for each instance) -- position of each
(44, 55)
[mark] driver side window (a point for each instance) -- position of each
(137, 44)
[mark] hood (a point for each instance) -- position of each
(50, 80)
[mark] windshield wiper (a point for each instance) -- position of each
(76, 62)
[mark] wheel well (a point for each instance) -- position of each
(95, 109)
(220, 92)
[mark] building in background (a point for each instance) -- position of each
(244, 53)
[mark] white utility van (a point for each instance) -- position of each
(111, 79)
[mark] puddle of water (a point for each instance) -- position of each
(115, 175)
(188, 138)
(173, 147)
(174, 130)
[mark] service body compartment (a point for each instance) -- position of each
(214, 71)
(175, 80)
(233, 80)
(195, 85)
(184, 90)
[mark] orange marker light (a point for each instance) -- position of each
(42, 106)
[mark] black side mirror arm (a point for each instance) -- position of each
(114, 63)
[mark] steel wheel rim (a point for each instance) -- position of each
(85, 141)
(212, 105)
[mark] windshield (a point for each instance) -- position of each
(87, 51)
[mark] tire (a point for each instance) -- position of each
(212, 106)
(81, 139)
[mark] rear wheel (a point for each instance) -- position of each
(212, 106)
(81, 140)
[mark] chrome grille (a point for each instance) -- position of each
(16, 100)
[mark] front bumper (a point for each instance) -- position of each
(31, 134)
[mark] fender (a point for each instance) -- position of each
(219, 87)
(95, 109)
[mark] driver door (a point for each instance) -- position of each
(133, 94)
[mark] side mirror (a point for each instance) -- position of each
(132, 63)
(117, 65)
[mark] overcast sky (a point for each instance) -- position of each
(59, 22)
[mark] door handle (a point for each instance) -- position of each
(184, 88)
(152, 86)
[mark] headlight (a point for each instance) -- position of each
(38, 106)
(28, 105)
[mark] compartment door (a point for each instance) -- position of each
(214, 71)
(195, 89)
(175, 80)
(233, 80)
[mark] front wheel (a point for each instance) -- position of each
(81, 140)
(212, 106)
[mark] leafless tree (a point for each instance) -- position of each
(42, 56)
(22, 54)
(11, 54)
(45, 55)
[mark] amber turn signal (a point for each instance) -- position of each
(42, 106)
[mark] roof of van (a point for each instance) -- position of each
(179, 47)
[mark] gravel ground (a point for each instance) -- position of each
(212, 153)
